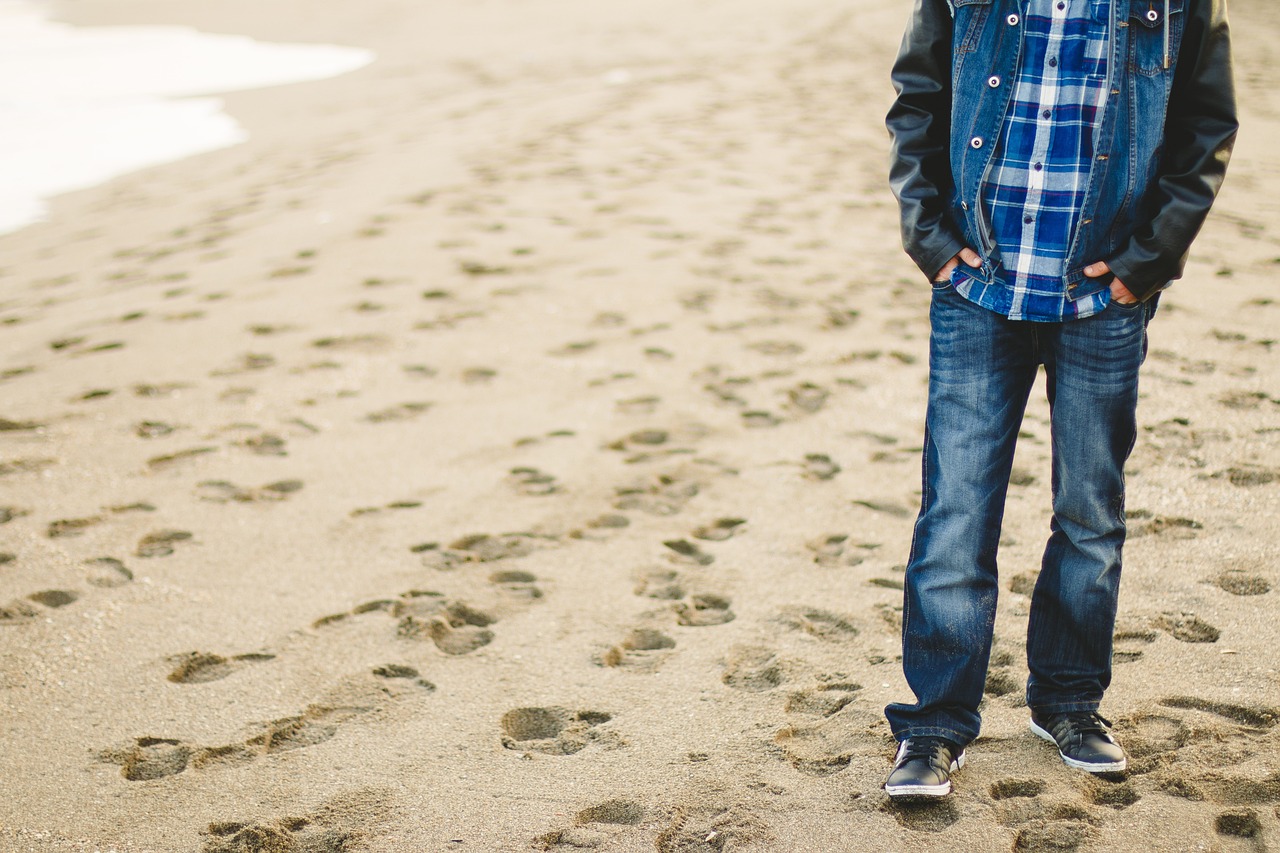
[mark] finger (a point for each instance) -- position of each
(970, 257)
(1097, 269)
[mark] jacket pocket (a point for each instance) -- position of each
(1147, 30)
(970, 16)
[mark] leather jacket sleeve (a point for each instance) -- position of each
(1200, 130)
(919, 126)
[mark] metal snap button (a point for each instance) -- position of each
(1153, 16)
(993, 81)
(1013, 20)
(976, 142)
(964, 205)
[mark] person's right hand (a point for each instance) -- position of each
(969, 256)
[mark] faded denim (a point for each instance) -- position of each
(981, 370)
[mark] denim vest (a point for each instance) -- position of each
(1129, 139)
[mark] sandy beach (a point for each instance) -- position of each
(515, 444)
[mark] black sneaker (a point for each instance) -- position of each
(923, 768)
(1084, 740)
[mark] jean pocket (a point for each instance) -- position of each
(1127, 307)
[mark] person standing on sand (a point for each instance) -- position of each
(1053, 161)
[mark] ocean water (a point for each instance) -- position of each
(79, 106)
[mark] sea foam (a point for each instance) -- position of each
(79, 106)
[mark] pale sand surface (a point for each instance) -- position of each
(515, 445)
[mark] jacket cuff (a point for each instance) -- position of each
(1142, 280)
(932, 260)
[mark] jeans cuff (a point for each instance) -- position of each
(959, 739)
(1062, 708)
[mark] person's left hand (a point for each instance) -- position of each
(1119, 293)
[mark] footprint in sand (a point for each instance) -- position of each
(760, 419)
(267, 444)
(553, 731)
(149, 758)
(753, 669)
(19, 610)
(66, 528)
(819, 466)
(391, 505)
(161, 543)
(703, 829)
(1024, 583)
(480, 548)
(222, 491)
(684, 551)
(660, 494)
(818, 623)
(1239, 582)
(285, 834)
(1127, 644)
(807, 398)
(1147, 734)
(924, 816)
(518, 585)
(591, 825)
(830, 744)
(720, 530)
(401, 412)
(1247, 476)
(703, 609)
(663, 584)
(1259, 717)
(1053, 834)
(1142, 523)
(533, 482)
(1114, 793)
(340, 824)
(9, 513)
(455, 627)
(1187, 627)
(202, 667)
(823, 700)
(1005, 789)
(641, 650)
(1239, 823)
(835, 549)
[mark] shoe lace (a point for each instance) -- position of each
(926, 747)
(1081, 723)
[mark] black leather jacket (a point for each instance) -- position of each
(1163, 141)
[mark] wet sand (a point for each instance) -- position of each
(514, 446)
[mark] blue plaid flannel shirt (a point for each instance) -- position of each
(1041, 166)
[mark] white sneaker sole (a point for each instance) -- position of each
(1109, 767)
(905, 792)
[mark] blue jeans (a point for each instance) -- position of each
(981, 369)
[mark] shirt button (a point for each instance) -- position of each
(1028, 219)
(1038, 166)
(976, 142)
(993, 81)
(1046, 113)
(1061, 6)
(1053, 62)
(1013, 20)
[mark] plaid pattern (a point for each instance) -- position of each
(1041, 164)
